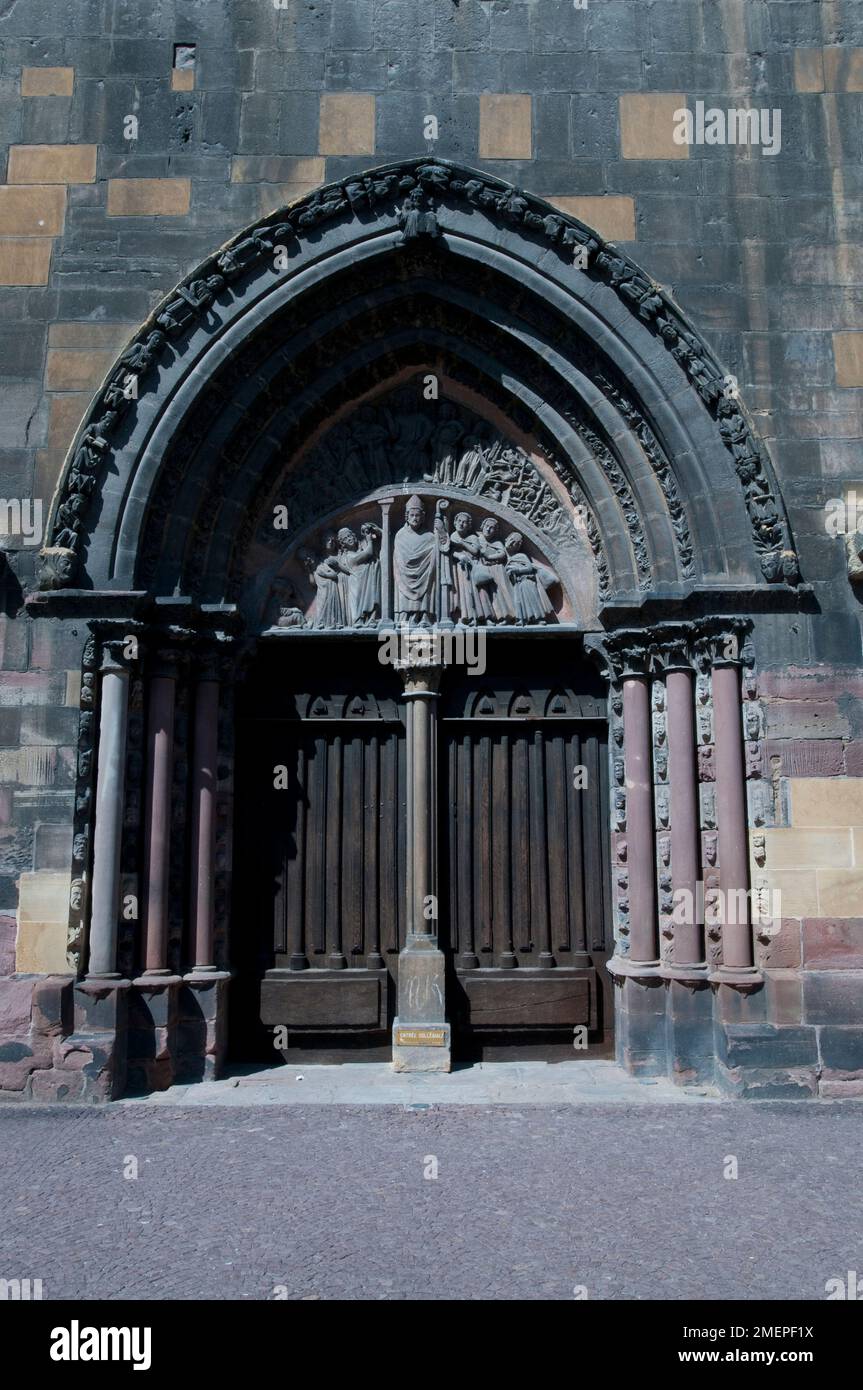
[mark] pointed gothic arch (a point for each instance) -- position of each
(290, 370)
(323, 307)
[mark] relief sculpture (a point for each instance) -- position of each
(471, 575)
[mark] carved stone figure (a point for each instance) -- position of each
(415, 566)
(495, 599)
(359, 562)
(706, 763)
(529, 581)
(324, 575)
(464, 549)
(417, 216)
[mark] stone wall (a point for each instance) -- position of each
(139, 137)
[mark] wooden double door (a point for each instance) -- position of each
(521, 908)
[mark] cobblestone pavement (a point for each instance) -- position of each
(331, 1201)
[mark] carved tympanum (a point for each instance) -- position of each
(468, 574)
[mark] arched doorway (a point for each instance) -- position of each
(420, 330)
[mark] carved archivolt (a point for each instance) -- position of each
(414, 195)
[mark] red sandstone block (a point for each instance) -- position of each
(782, 951)
(73, 1054)
(833, 943)
(806, 719)
(8, 924)
(784, 990)
(810, 683)
(16, 995)
(53, 1085)
(854, 759)
(19, 1056)
(32, 688)
(809, 757)
(52, 1004)
(837, 1090)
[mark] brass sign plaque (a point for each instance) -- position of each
(420, 1037)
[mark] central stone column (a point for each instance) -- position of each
(421, 1034)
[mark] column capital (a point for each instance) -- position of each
(721, 642)
(628, 654)
(420, 677)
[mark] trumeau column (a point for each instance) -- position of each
(421, 1034)
(108, 829)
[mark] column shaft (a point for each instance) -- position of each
(204, 779)
(639, 819)
(108, 830)
(421, 813)
(731, 819)
(160, 766)
(685, 838)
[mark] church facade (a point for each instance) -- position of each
(438, 648)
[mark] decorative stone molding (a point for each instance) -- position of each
(400, 195)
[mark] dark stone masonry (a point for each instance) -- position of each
(334, 319)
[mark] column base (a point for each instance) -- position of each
(152, 1032)
(202, 1027)
(421, 1035)
(421, 1047)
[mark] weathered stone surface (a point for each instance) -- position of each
(835, 944)
(505, 126)
(613, 217)
(817, 801)
(765, 1046)
(812, 757)
(25, 262)
(647, 125)
(47, 82)
(148, 197)
(347, 123)
(32, 211)
(15, 999)
(52, 164)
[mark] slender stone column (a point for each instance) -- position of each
(737, 953)
(203, 841)
(386, 560)
(637, 742)
(160, 766)
(421, 1034)
(108, 829)
(421, 696)
(683, 788)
